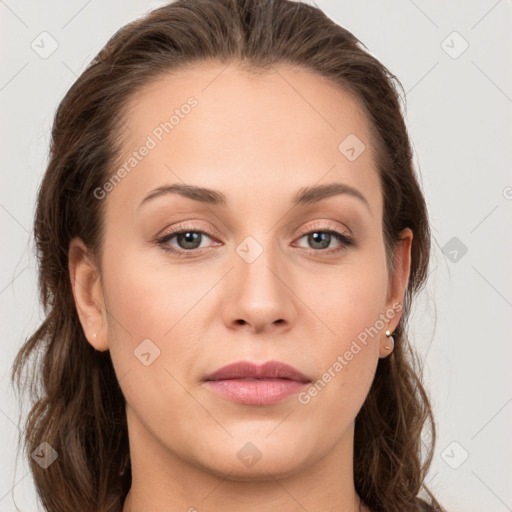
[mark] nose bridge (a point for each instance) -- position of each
(258, 293)
(256, 267)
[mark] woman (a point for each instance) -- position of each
(230, 235)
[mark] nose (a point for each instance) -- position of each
(260, 295)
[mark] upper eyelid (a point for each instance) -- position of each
(321, 225)
(180, 228)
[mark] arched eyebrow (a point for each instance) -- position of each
(309, 195)
(304, 196)
(201, 194)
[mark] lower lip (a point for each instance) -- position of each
(255, 392)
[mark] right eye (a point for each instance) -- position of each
(187, 238)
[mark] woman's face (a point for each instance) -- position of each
(270, 270)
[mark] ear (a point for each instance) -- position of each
(399, 279)
(397, 286)
(88, 294)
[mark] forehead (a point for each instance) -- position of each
(279, 129)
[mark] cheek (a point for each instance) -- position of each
(148, 302)
(352, 304)
(360, 302)
(353, 299)
(146, 298)
(150, 310)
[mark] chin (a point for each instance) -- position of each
(256, 461)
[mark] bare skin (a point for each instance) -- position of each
(258, 140)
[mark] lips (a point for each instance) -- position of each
(252, 371)
(257, 385)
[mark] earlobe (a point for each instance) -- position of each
(88, 294)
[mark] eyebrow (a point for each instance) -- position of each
(304, 196)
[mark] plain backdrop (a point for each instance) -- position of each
(454, 61)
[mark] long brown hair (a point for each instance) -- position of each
(78, 407)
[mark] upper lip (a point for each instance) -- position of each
(249, 370)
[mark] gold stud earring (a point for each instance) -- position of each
(391, 341)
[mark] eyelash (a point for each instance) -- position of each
(345, 240)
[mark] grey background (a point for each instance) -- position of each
(459, 118)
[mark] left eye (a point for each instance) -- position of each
(323, 238)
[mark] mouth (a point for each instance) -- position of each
(250, 384)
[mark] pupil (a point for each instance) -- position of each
(189, 238)
(320, 237)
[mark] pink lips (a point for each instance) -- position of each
(250, 384)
